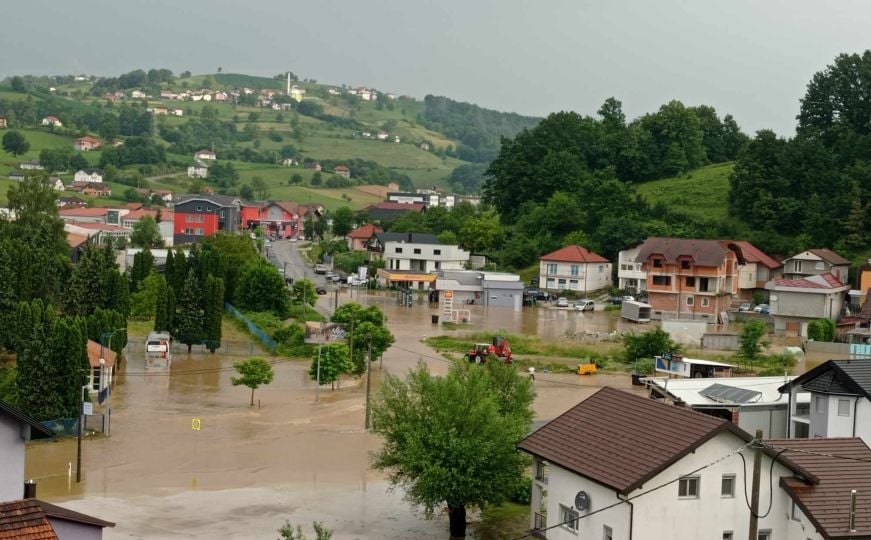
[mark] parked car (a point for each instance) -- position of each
(320, 269)
(562, 301)
(617, 300)
(585, 305)
(764, 309)
(746, 306)
(320, 290)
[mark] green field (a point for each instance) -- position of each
(702, 192)
(38, 140)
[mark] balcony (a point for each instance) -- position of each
(540, 524)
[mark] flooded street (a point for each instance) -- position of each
(249, 469)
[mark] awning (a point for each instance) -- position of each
(406, 276)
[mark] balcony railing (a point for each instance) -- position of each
(540, 524)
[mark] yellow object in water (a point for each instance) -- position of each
(587, 369)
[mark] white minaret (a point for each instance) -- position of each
(288, 83)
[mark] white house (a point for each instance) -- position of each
(55, 183)
(619, 466)
(413, 258)
(205, 154)
(89, 175)
(52, 121)
(631, 276)
(198, 171)
(137, 94)
(177, 112)
(796, 302)
(296, 93)
(839, 402)
(574, 268)
(814, 262)
(16, 428)
(32, 165)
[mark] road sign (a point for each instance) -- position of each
(87, 408)
(195, 424)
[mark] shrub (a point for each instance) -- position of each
(821, 330)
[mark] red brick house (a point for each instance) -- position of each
(197, 216)
(690, 278)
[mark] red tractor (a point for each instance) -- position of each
(498, 347)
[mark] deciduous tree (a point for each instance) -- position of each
(335, 360)
(253, 373)
(15, 143)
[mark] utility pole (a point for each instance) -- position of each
(754, 494)
(368, 381)
(318, 387)
(79, 442)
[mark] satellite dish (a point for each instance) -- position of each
(582, 501)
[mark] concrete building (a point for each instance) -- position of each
(574, 268)
(796, 302)
(198, 216)
(630, 275)
(815, 262)
(412, 259)
(492, 289)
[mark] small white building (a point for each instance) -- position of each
(89, 175)
(52, 121)
(631, 277)
(137, 94)
(574, 268)
(198, 170)
(413, 258)
(492, 289)
(176, 112)
(205, 154)
(813, 262)
(31, 165)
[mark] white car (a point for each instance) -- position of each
(562, 301)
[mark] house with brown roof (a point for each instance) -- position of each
(812, 262)
(87, 143)
(621, 466)
(32, 519)
(102, 362)
(342, 171)
(689, 278)
(358, 237)
(52, 121)
(573, 268)
(91, 189)
(3, 122)
(388, 211)
(794, 303)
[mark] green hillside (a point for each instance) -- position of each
(702, 192)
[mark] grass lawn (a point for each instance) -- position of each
(5, 184)
(702, 192)
(38, 139)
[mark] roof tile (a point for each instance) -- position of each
(574, 253)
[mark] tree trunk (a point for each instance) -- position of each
(457, 516)
(190, 345)
(252, 397)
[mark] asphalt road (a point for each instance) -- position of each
(285, 255)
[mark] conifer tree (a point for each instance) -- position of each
(188, 312)
(161, 313)
(213, 311)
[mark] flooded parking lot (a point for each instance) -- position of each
(248, 469)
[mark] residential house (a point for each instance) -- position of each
(839, 404)
(87, 143)
(287, 162)
(52, 121)
(387, 211)
(796, 302)
(138, 94)
(358, 237)
(296, 93)
(823, 509)
(334, 92)
(91, 189)
(159, 111)
(31, 165)
(281, 218)
(205, 154)
(407, 198)
(221, 96)
(89, 175)
(751, 403)
(690, 278)
(411, 259)
(199, 170)
(55, 183)
(491, 289)
(200, 215)
(392, 186)
(382, 135)
(16, 429)
(314, 165)
(620, 466)
(342, 171)
(102, 362)
(18, 176)
(168, 94)
(574, 268)
(70, 202)
(424, 146)
(754, 271)
(3, 122)
(631, 277)
(816, 261)
(391, 96)
(70, 525)
(111, 97)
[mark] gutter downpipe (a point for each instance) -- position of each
(631, 513)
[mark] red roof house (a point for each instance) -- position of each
(574, 268)
(358, 237)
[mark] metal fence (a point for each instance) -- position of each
(255, 330)
(63, 427)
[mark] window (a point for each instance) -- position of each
(568, 518)
(189, 231)
(796, 266)
(690, 300)
(189, 218)
(843, 407)
(704, 284)
(819, 405)
(200, 231)
(685, 264)
(607, 533)
(690, 282)
(706, 301)
(575, 269)
(551, 268)
(688, 487)
(199, 208)
(601, 268)
(662, 280)
(208, 209)
(820, 265)
(417, 251)
(624, 267)
(397, 250)
(795, 512)
(657, 263)
(727, 485)
(436, 252)
(222, 213)
(728, 535)
(764, 535)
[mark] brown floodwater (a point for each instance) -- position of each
(248, 469)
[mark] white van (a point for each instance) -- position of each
(585, 305)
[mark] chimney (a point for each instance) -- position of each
(30, 489)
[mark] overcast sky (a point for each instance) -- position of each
(751, 58)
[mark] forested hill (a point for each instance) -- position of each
(479, 130)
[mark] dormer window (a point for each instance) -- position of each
(685, 264)
(657, 263)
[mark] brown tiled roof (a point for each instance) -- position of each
(75, 240)
(819, 281)
(365, 232)
(753, 254)
(58, 512)
(94, 355)
(622, 440)
(827, 503)
(829, 256)
(574, 253)
(702, 252)
(24, 520)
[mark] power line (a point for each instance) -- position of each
(629, 499)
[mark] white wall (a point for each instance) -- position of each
(589, 277)
(863, 421)
(12, 459)
(840, 426)
(562, 488)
